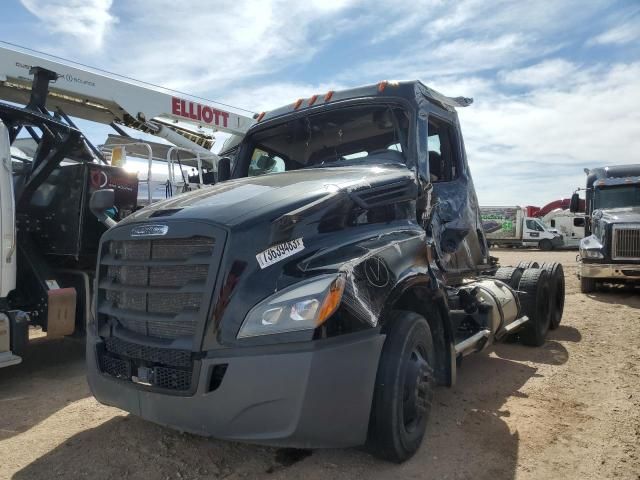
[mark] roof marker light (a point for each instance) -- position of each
(382, 85)
(313, 99)
(297, 104)
(260, 116)
(328, 96)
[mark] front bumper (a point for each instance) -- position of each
(609, 271)
(317, 395)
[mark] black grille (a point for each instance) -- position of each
(167, 356)
(172, 378)
(115, 367)
(156, 367)
(156, 287)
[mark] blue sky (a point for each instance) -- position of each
(556, 83)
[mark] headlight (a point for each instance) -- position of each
(303, 306)
(591, 254)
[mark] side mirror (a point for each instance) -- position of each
(224, 169)
(574, 206)
(101, 201)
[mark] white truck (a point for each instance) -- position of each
(510, 226)
(49, 233)
(569, 225)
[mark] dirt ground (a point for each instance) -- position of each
(570, 409)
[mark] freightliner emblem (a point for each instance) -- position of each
(149, 230)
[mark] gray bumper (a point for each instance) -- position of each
(610, 271)
(319, 396)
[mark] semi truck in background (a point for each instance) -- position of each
(610, 250)
(510, 226)
(318, 296)
(568, 224)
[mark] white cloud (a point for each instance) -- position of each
(547, 73)
(85, 20)
(618, 35)
(534, 146)
(191, 46)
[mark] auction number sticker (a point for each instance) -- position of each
(279, 252)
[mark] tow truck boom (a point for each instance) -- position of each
(108, 98)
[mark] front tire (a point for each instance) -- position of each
(545, 245)
(587, 285)
(404, 388)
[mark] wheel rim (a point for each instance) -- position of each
(415, 389)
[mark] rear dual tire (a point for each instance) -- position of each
(509, 275)
(535, 301)
(404, 388)
(557, 286)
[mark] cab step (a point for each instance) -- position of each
(472, 344)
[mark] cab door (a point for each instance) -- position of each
(533, 231)
(455, 222)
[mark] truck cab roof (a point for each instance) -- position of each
(613, 175)
(413, 90)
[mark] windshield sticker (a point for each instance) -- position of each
(279, 252)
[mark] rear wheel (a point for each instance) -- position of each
(404, 388)
(524, 265)
(545, 245)
(534, 294)
(509, 275)
(556, 285)
(587, 285)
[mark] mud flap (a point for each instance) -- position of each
(61, 312)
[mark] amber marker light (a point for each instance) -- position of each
(332, 300)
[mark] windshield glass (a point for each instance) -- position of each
(349, 136)
(617, 197)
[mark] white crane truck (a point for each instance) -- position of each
(48, 235)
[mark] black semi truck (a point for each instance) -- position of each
(610, 249)
(317, 295)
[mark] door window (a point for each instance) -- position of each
(444, 161)
(578, 222)
(533, 225)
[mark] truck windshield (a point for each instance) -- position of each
(349, 136)
(617, 197)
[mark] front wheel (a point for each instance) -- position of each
(587, 285)
(404, 388)
(545, 245)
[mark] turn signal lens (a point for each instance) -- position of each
(332, 300)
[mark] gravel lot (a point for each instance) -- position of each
(570, 409)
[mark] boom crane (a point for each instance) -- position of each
(109, 99)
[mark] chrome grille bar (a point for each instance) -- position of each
(626, 242)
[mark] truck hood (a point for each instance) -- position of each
(618, 215)
(240, 200)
